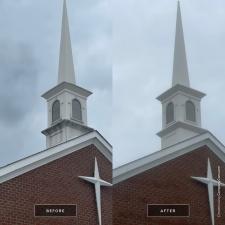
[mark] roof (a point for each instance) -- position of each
(143, 164)
(66, 86)
(180, 88)
(41, 158)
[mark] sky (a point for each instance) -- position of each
(29, 53)
(143, 45)
(123, 53)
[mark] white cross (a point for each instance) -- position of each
(211, 183)
(98, 182)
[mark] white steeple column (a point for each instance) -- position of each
(180, 68)
(66, 66)
(181, 105)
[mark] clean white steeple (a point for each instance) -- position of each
(181, 105)
(66, 66)
(180, 68)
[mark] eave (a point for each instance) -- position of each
(180, 88)
(157, 158)
(41, 158)
(66, 86)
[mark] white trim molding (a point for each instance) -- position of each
(141, 165)
(39, 159)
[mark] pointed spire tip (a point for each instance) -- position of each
(66, 66)
(180, 67)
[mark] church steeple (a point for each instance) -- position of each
(67, 102)
(180, 67)
(181, 105)
(66, 66)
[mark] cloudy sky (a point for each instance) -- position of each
(144, 33)
(134, 39)
(29, 52)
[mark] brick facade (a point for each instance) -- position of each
(169, 183)
(57, 183)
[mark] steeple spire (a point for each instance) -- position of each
(181, 105)
(66, 66)
(180, 68)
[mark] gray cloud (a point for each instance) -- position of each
(18, 81)
(92, 43)
(95, 76)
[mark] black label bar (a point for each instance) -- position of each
(55, 210)
(168, 210)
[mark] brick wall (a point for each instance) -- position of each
(165, 184)
(57, 183)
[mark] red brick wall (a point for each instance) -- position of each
(57, 183)
(165, 184)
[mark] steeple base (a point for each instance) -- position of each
(178, 132)
(63, 131)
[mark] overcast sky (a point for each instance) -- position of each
(139, 49)
(29, 52)
(144, 33)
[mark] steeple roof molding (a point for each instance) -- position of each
(180, 88)
(66, 86)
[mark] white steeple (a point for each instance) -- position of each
(181, 105)
(67, 102)
(66, 66)
(180, 68)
